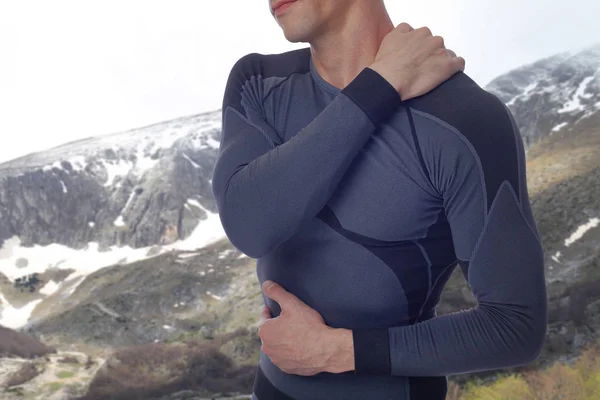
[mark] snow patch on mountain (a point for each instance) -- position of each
(86, 261)
(574, 103)
(581, 230)
(14, 318)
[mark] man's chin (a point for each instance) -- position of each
(294, 37)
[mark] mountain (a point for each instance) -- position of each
(138, 188)
(553, 93)
(115, 199)
(114, 242)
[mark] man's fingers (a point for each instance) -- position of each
(456, 63)
(449, 57)
(404, 27)
(265, 314)
(265, 311)
(276, 292)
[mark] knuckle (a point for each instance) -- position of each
(405, 26)
(438, 40)
(425, 30)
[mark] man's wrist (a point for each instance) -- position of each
(397, 84)
(374, 94)
(342, 357)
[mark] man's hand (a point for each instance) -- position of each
(298, 341)
(414, 62)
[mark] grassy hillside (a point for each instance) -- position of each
(579, 380)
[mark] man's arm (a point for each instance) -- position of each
(265, 190)
(499, 248)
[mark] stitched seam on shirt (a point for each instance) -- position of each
(432, 287)
(512, 125)
(469, 145)
(418, 147)
(279, 84)
(523, 214)
(429, 283)
(484, 229)
(269, 140)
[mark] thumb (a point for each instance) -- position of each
(404, 27)
(276, 292)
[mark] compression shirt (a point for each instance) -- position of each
(362, 205)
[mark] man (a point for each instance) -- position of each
(359, 172)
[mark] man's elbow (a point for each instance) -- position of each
(251, 249)
(252, 243)
(532, 341)
(534, 344)
(538, 322)
(538, 337)
(243, 234)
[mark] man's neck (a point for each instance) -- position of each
(340, 54)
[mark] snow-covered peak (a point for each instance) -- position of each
(553, 93)
(133, 150)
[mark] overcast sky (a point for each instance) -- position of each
(73, 69)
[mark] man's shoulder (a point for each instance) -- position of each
(255, 74)
(474, 114)
(466, 127)
(273, 65)
(461, 102)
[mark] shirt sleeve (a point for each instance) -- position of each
(264, 189)
(497, 243)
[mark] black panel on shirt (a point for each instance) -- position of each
(482, 118)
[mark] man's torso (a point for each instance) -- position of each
(380, 251)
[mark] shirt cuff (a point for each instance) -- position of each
(374, 95)
(371, 351)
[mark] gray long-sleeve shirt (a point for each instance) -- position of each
(362, 205)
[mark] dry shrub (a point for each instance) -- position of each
(27, 372)
(137, 370)
(89, 362)
(17, 344)
(213, 372)
(588, 367)
(69, 360)
(558, 382)
(158, 369)
(454, 391)
(509, 387)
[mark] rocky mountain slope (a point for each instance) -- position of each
(207, 292)
(135, 188)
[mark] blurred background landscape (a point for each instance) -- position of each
(116, 278)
